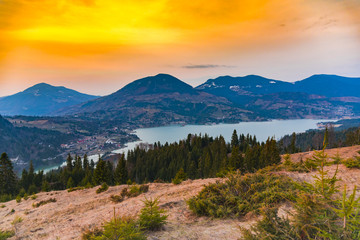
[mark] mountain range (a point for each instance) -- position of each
(164, 99)
(41, 99)
(159, 100)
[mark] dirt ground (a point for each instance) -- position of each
(75, 212)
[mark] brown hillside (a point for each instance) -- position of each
(77, 211)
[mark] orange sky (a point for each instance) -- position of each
(98, 46)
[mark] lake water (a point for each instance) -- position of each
(262, 130)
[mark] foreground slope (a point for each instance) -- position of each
(75, 212)
(160, 100)
(41, 99)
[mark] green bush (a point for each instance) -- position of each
(319, 213)
(239, 195)
(352, 162)
(151, 216)
(2, 206)
(75, 189)
(26, 197)
(179, 177)
(33, 197)
(104, 187)
(6, 234)
(116, 198)
(18, 199)
(134, 191)
(36, 205)
(118, 228)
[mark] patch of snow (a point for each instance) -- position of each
(36, 93)
(258, 86)
(272, 82)
(234, 88)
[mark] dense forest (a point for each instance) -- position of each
(313, 139)
(196, 156)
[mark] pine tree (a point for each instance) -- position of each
(234, 139)
(7, 176)
(293, 143)
(100, 172)
(121, 174)
(86, 164)
(69, 163)
(70, 183)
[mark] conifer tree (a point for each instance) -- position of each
(100, 172)
(69, 163)
(7, 176)
(121, 174)
(234, 139)
(70, 183)
(86, 164)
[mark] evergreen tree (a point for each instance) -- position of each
(70, 183)
(121, 173)
(100, 172)
(234, 139)
(86, 163)
(31, 174)
(69, 163)
(7, 176)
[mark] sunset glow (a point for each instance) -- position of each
(85, 44)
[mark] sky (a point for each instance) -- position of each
(99, 46)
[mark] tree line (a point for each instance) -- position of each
(198, 156)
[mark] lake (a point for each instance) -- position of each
(262, 130)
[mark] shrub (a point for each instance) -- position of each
(75, 189)
(26, 197)
(50, 200)
(179, 177)
(151, 216)
(22, 192)
(136, 190)
(33, 197)
(124, 192)
(2, 206)
(116, 198)
(16, 220)
(92, 234)
(318, 212)
(352, 162)
(242, 194)
(104, 187)
(18, 199)
(118, 228)
(6, 234)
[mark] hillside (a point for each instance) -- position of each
(24, 144)
(41, 99)
(75, 212)
(160, 100)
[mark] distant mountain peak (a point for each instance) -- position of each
(160, 83)
(41, 99)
